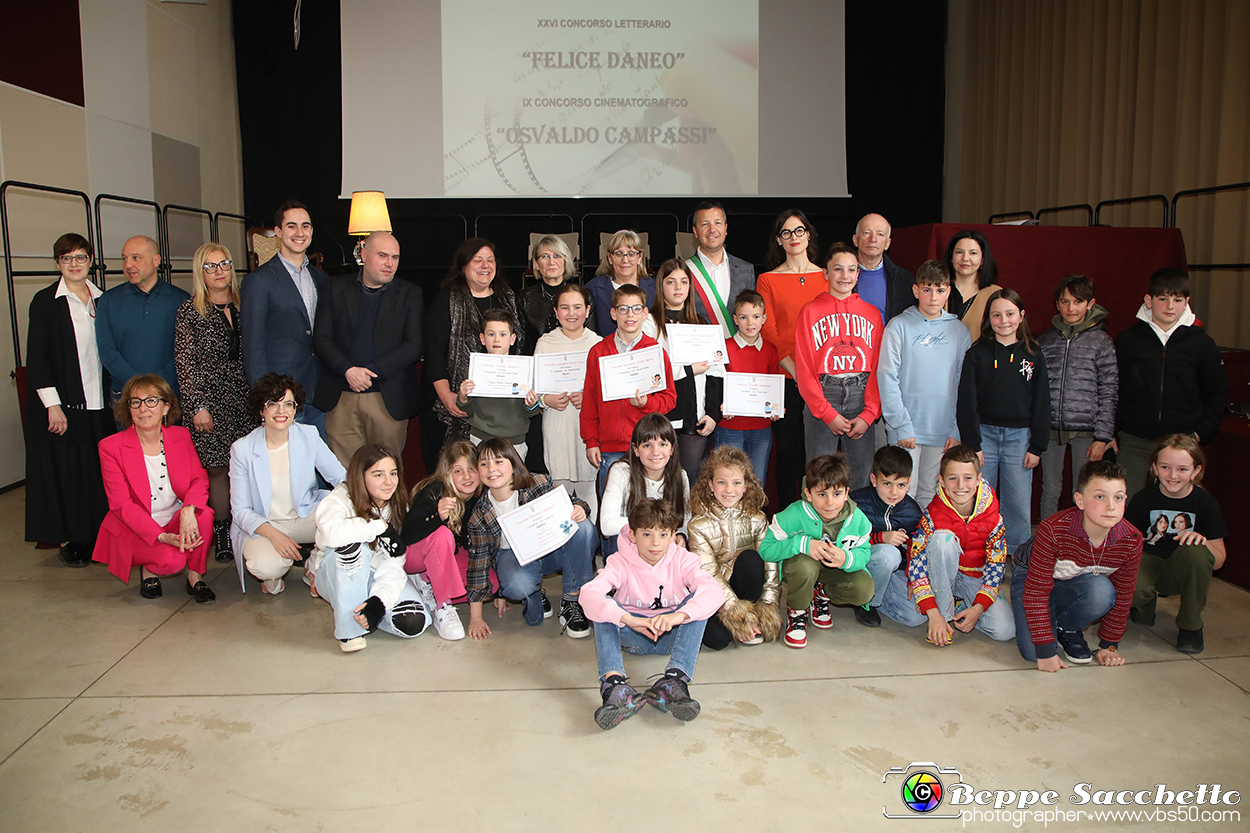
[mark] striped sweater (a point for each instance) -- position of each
(981, 535)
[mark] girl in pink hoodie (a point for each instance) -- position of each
(661, 602)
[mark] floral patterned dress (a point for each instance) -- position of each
(209, 361)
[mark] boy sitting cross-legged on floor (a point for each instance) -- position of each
(894, 516)
(958, 553)
(822, 544)
(652, 597)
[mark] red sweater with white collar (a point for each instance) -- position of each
(609, 425)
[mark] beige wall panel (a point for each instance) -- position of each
(176, 171)
(172, 77)
(120, 157)
(115, 59)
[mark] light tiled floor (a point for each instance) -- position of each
(118, 713)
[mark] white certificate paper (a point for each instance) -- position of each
(641, 371)
(539, 527)
(560, 373)
(754, 394)
(692, 343)
(500, 377)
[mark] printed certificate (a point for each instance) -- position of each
(691, 343)
(500, 377)
(638, 371)
(560, 373)
(754, 394)
(539, 527)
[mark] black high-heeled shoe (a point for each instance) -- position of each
(204, 594)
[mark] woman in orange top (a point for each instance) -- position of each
(792, 280)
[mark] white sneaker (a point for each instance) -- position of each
(447, 623)
(351, 646)
(273, 586)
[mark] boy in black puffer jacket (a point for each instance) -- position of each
(1084, 385)
(1171, 375)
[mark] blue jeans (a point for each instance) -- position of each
(952, 590)
(682, 642)
(882, 563)
(345, 581)
(314, 417)
(1004, 450)
(1074, 604)
(756, 442)
(522, 581)
(846, 394)
(607, 545)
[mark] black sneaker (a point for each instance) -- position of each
(669, 694)
(867, 616)
(1073, 644)
(71, 557)
(1189, 642)
(573, 620)
(621, 701)
(547, 611)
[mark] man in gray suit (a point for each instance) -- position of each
(717, 276)
(279, 305)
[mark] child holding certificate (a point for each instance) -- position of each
(563, 449)
(509, 486)
(651, 470)
(490, 417)
(698, 385)
(607, 425)
(750, 352)
(726, 531)
(652, 597)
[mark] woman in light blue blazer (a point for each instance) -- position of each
(274, 488)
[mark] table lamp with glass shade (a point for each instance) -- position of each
(368, 215)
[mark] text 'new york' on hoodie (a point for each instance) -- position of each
(836, 336)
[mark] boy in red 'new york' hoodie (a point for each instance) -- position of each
(661, 598)
(836, 343)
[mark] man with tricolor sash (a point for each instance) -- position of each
(718, 276)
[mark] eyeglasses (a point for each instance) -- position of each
(797, 231)
(629, 309)
(549, 256)
(149, 401)
(225, 266)
(282, 405)
(627, 256)
(68, 259)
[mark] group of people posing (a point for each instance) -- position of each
(269, 421)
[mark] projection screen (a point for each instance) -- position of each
(543, 98)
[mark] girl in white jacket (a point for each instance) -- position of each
(358, 564)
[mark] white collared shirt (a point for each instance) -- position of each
(304, 283)
(718, 274)
(82, 316)
(742, 342)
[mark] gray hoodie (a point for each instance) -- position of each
(918, 376)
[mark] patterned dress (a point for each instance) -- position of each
(210, 375)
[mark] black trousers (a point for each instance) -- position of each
(747, 581)
(791, 447)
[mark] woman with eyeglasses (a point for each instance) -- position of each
(792, 281)
(66, 409)
(211, 384)
(553, 267)
(274, 489)
(625, 264)
(158, 518)
(453, 323)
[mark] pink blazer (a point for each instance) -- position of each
(129, 493)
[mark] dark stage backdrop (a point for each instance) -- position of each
(289, 108)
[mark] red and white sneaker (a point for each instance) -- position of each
(822, 615)
(796, 629)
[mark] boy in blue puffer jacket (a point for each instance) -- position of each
(894, 516)
(1084, 385)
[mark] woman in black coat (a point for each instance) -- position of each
(67, 411)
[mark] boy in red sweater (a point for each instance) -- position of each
(836, 343)
(958, 553)
(607, 426)
(1079, 568)
(750, 352)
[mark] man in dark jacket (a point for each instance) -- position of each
(368, 337)
(1172, 377)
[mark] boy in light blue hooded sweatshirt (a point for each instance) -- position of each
(922, 354)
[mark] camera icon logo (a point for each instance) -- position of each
(922, 789)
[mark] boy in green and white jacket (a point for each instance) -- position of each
(822, 544)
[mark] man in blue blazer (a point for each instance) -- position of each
(716, 276)
(279, 306)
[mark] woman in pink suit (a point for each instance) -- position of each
(157, 491)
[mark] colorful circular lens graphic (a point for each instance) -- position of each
(922, 792)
